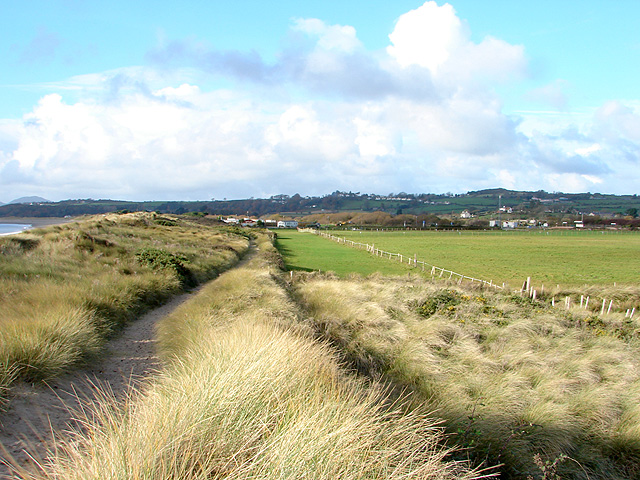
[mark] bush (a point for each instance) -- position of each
(444, 300)
(158, 259)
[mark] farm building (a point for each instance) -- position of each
(287, 224)
(510, 224)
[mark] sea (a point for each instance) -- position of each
(9, 228)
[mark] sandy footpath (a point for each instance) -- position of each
(37, 410)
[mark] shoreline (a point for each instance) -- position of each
(33, 222)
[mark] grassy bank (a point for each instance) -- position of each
(248, 393)
(65, 289)
(514, 379)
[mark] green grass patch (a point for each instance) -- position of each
(567, 258)
(307, 252)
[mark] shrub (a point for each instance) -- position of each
(443, 300)
(158, 259)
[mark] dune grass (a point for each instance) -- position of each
(65, 289)
(513, 379)
(248, 393)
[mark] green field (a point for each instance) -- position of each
(308, 252)
(567, 258)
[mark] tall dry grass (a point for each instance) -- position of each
(247, 394)
(512, 378)
(65, 289)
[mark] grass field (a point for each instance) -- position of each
(307, 252)
(550, 258)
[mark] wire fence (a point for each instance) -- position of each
(436, 271)
(439, 272)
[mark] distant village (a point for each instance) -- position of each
(484, 209)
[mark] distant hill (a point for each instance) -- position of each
(481, 203)
(30, 200)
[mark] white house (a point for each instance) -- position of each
(465, 214)
(510, 224)
(287, 224)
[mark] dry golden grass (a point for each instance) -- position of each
(511, 378)
(65, 289)
(247, 394)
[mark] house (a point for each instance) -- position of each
(287, 224)
(465, 214)
(510, 224)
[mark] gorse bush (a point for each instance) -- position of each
(159, 259)
(444, 300)
(64, 289)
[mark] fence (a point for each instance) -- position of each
(414, 262)
(568, 302)
(527, 287)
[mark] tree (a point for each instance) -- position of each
(632, 212)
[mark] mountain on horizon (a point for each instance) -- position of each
(30, 200)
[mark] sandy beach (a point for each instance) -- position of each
(35, 222)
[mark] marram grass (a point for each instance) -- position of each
(248, 394)
(511, 378)
(65, 289)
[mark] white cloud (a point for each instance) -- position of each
(330, 37)
(328, 114)
(434, 37)
(184, 91)
(586, 151)
(427, 36)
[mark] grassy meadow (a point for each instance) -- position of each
(249, 393)
(65, 289)
(303, 251)
(552, 257)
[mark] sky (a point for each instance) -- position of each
(203, 100)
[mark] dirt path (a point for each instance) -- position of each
(37, 410)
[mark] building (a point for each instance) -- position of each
(287, 224)
(465, 214)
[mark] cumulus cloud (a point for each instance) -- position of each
(326, 114)
(435, 38)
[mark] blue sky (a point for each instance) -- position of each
(207, 99)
